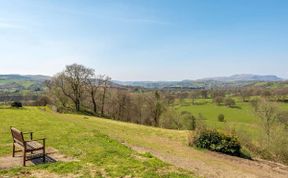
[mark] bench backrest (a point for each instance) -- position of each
(17, 136)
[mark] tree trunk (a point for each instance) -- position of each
(94, 102)
(103, 102)
(77, 105)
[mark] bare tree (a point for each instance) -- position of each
(194, 95)
(139, 107)
(156, 107)
(267, 111)
(204, 94)
(56, 94)
(105, 84)
(245, 94)
(280, 93)
(218, 100)
(94, 84)
(72, 82)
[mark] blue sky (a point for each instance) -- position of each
(145, 39)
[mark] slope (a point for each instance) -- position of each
(96, 143)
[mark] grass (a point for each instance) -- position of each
(24, 83)
(241, 118)
(95, 142)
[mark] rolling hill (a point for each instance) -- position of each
(15, 82)
(232, 81)
(245, 77)
(107, 148)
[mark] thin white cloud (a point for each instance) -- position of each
(144, 21)
(5, 24)
(114, 16)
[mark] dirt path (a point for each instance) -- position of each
(171, 147)
(210, 164)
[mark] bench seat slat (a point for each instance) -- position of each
(33, 145)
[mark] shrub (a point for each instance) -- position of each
(188, 121)
(229, 102)
(255, 104)
(221, 118)
(16, 104)
(170, 119)
(216, 141)
(279, 145)
(43, 101)
(283, 118)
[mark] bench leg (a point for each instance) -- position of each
(24, 158)
(44, 159)
(13, 154)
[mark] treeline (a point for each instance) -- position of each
(78, 88)
(246, 94)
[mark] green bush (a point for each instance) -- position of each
(16, 104)
(221, 118)
(188, 121)
(216, 141)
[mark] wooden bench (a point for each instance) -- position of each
(28, 146)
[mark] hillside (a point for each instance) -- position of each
(101, 148)
(17, 84)
(245, 77)
(231, 81)
(17, 77)
(95, 153)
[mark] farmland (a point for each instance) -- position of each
(242, 117)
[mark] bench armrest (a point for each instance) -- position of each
(30, 133)
(27, 132)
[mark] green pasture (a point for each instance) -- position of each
(242, 118)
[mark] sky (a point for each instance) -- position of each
(145, 39)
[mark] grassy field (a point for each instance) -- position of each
(24, 83)
(89, 141)
(108, 148)
(241, 118)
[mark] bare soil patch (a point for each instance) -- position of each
(52, 155)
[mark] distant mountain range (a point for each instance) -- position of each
(234, 80)
(245, 77)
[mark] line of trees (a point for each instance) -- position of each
(78, 88)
